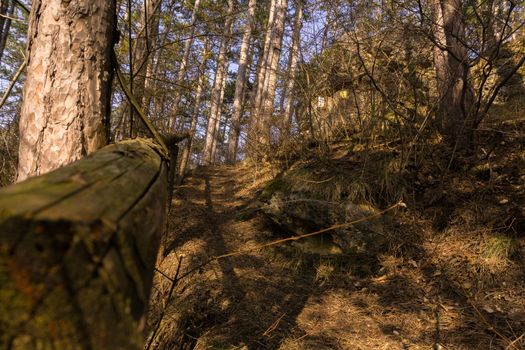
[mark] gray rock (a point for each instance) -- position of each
(302, 215)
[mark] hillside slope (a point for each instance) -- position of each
(417, 294)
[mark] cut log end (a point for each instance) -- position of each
(78, 248)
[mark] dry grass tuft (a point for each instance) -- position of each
(8, 156)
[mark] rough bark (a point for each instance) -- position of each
(77, 250)
(184, 63)
(456, 97)
(67, 90)
(218, 87)
(240, 84)
(292, 70)
(186, 152)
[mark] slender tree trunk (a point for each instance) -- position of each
(5, 25)
(324, 41)
(220, 136)
(149, 84)
(263, 63)
(150, 98)
(292, 69)
(268, 95)
(456, 98)
(253, 123)
(4, 5)
(184, 64)
(218, 123)
(68, 86)
(145, 40)
(240, 84)
(218, 87)
(186, 152)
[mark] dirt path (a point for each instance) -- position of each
(276, 298)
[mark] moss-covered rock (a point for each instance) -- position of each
(276, 185)
(302, 215)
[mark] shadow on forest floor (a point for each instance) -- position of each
(441, 281)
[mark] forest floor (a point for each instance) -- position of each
(437, 292)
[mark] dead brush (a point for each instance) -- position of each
(8, 156)
(390, 181)
(331, 186)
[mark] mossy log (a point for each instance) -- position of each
(78, 248)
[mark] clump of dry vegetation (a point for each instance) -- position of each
(8, 156)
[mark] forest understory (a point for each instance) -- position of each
(345, 174)
(447, 272)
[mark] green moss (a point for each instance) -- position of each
(500, 247)
(276, 185)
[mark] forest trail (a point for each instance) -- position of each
(276, 298)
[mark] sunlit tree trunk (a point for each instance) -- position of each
(67, 90)
(146, 40)
(270, 81)
(238, 101)
(218, 122)
(153, 103)
(253, 93)
(149, 84)
(218, 87)
(181, 74)
(292, 69)
(455, 109)
(256, 122)
(186, 152)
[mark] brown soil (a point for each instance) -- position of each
(430, 290)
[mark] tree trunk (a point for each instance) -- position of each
(142, 62)
(256, 120)
(268, 95)
(78, 248)
(218, 87)
(240, 84)
(456, 97)
(67, 90)
(292, 70)
(149, 85)
(150, 97)
(253, 123)
(4, 5)
(186, 152)
(5, 24)
(184, 63)
(218, 122)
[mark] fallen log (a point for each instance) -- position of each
(78, 248)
